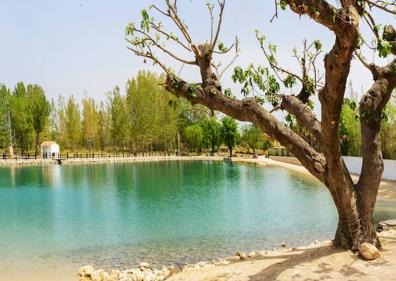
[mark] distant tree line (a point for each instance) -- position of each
(145, 118)
(350, 133)
(349, 129)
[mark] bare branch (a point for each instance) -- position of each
(168, 35)
(276, 11)
(172, 13)
(216, 37)
(147, 37)
(381, 6)
(274, 66)
(237, 50)
(370, 66)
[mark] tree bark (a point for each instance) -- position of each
(371, 108)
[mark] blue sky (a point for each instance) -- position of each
(77, 47)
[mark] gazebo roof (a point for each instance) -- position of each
(48, 143)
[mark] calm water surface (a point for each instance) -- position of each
(116, 215)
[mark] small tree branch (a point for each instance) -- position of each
(370, 66)
(147, 37)
(158, 29)
(274, 66)
(381, 7)
(220, 75)
(216, 37)
(172, 13)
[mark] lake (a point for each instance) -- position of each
(117, 215)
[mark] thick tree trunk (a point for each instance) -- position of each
(355, 219)
(230, 149)
(366, 204)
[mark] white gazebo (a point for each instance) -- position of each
(50, 149)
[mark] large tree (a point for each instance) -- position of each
(354, 201)
(119, 118)
(73, 123)
(5, 95)
(212, 137)
(39, 109)
(194, 137)
(90, 123)
(229, 132)
(252, 136)
(21, 117)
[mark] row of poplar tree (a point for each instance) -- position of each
(145, 118)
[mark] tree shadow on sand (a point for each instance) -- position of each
(294, 259)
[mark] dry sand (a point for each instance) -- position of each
(305, 264)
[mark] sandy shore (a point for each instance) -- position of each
(321, 262)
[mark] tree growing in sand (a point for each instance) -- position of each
(354, 201)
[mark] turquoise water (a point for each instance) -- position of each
(116, 215)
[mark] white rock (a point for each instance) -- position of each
(223, 262)
(242, 255)
(86, 271)
(113, 276)
(369, 251)
(99, 275)
(200, 264)
(148, 276)
(126, 278)
(234, 258)
(252, 255)
(144, 265)
(165, 271)
(139, 276)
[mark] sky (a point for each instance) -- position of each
(77, 47)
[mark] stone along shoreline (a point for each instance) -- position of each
(318, 261)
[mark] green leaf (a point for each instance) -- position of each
(222, 48)
(384, 48)
(145, 25)
(318, 45)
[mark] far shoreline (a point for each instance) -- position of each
(387, 189)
